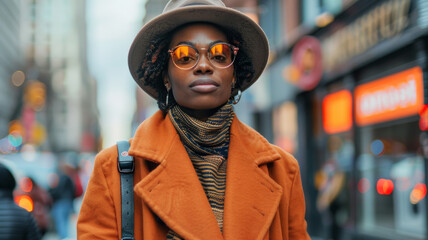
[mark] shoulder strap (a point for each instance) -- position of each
(125, 166)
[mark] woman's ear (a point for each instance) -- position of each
(234, 87)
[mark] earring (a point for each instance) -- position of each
(237, 97)
(167, 96)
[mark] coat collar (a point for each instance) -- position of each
(173, 191)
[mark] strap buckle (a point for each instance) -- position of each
(126, 167)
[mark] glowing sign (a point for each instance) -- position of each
(392, 97)
(337, 112)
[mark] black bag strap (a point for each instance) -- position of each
(125, 166)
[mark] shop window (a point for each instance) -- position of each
(333, 181)
(390, 180)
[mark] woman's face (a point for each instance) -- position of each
(204, 86)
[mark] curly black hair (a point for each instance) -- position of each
(155, 65)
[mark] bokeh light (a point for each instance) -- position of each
(418, 193)
(15, 127)
(363, 185)
(384, 186)
(25, 202)
(35, 95)
(26, 184)
(29, 152)
(377, 147)
(18, 78)
(15, 139)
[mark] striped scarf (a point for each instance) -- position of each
(207, 144)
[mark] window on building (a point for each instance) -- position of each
(391, 180)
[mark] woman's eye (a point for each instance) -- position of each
(185, 59)
(219, 58)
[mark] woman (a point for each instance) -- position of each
(199, 172)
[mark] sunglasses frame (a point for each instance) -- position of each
(233, 48)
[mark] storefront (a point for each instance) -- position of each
(369, 163)
(361, 122)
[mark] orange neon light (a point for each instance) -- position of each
(337, 112)
(392, 97)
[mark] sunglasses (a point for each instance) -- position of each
(220, 55)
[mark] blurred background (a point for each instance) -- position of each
(344, 91)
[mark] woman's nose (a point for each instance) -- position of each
(204, 65)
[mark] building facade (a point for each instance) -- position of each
(49, 95)
(11, 61)
(347, 83)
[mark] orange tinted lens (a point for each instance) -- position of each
(221, 55)
(184, 56)
(218, 49)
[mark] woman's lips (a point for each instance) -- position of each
(204, 85)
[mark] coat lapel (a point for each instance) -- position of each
(172, 190)
(252, 197)
(174, 193)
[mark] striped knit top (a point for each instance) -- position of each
(207, 144)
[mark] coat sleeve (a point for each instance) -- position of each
(297, 224)
(294, 226)
(97, 217)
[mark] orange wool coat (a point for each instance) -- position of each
(263, 200)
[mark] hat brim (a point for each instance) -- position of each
(255, 43)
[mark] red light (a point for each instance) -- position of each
(26, 184)
(25, 202)
(384, 186)
(363, 185)
(418, 193)
(423, 121)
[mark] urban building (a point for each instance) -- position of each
(347, 86)
(11, 63)
(48, 97)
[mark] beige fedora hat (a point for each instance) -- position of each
(179, 12)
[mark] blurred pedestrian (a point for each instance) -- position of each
(199, 172)
(62, 191)
(42, 202)
(16, 223)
